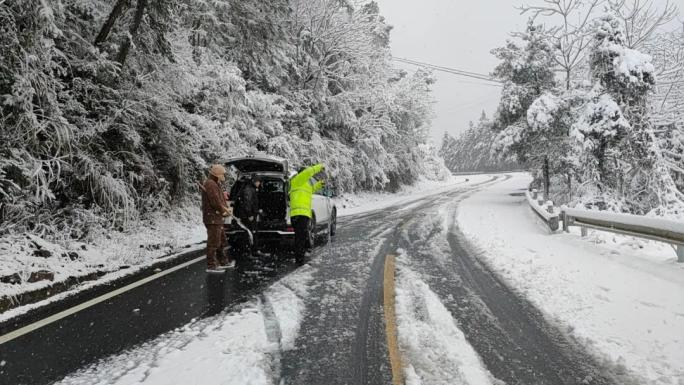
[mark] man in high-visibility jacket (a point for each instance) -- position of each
(301, 196)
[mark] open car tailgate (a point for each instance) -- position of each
(256, 163)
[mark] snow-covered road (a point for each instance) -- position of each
(236, 348)
(622, 297)
(483, 296)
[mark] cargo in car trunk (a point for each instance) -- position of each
(272, 199)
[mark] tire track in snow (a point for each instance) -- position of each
(274, 335)
(436, 350)
(512, 337)
(343, 339)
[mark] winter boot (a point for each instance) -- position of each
(212, 262)
(224, 262)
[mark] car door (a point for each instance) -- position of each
(320, 207)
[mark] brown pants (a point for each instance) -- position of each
(216, 244)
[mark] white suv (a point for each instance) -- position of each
(273, 225)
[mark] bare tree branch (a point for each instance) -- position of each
(571, 37)
(641, 18)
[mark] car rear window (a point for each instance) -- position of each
(270, 186)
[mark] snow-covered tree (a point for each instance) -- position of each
(112, 110)
(569, 36)
(623, 162)
(472, 150)
(667, 104)
(667, 50)
(612, 133)
(640, 19)
(527, 72)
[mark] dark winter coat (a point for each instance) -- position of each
(213, 202)
(247, 202)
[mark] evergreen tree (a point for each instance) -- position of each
(472, 150)
(622, 158)
(526, 70)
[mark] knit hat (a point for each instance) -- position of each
(217, 170)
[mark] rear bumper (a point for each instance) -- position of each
(263, 232)
(263, 238)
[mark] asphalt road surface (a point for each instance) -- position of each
(342, 338)
(52, 351)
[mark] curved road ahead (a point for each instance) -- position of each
(342, 337)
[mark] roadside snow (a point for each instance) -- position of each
(228, 349)
(434, 350)
(286, 298)
(109, 253)
(368, 201)
(111, 277)
(621, 295)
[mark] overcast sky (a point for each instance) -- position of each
(460, 35)
(453, 34)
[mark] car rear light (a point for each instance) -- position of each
(290, 229)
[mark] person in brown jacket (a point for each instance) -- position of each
(214, 209)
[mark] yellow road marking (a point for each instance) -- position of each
(390, 322)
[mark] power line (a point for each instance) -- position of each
(452, 71)
(478, 83)
(448, 70)
(416, 62)
(475, 75)
(670, 83)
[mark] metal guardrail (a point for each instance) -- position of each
(655, 229)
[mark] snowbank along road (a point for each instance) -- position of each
(334, 321)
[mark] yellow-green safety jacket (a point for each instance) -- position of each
(301, 191)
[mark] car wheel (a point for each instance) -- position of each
(333, 223)
(311, 233)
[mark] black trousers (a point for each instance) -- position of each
(300, 224)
